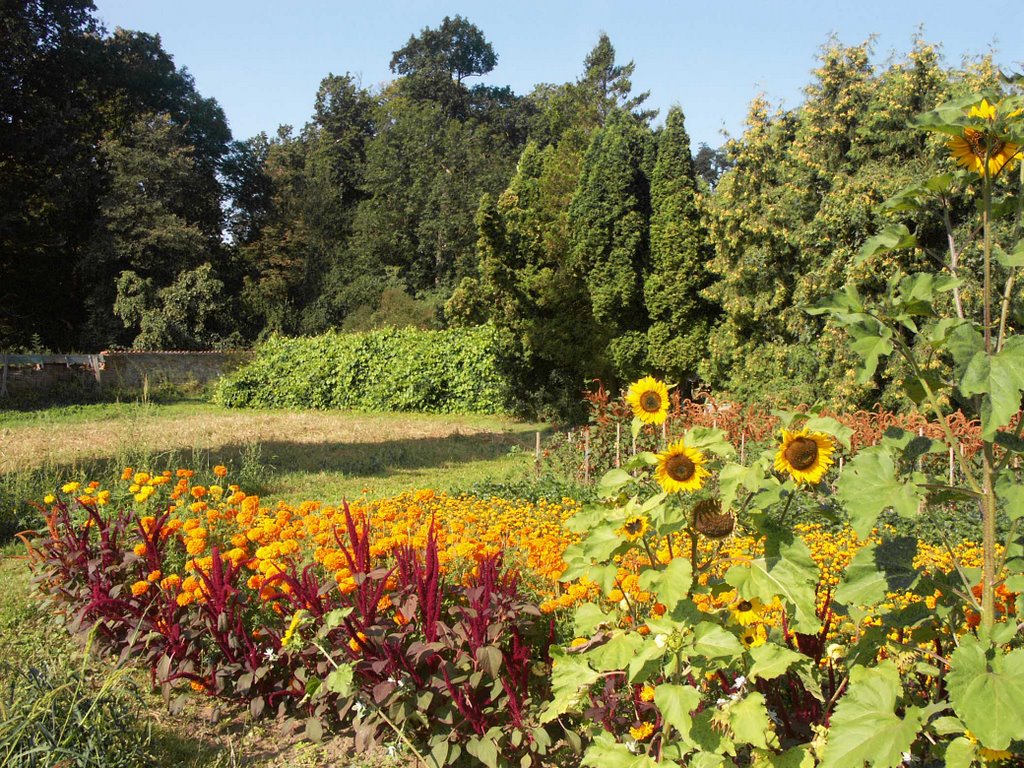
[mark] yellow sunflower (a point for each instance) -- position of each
(635, 527)
(754, 635)
(974, 149)
(806, 456)
(648, 398)
(681, 468)
(747, 612)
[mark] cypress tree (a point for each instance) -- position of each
(681, 318)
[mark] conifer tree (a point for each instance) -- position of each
(681, 318)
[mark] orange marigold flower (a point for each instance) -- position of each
(127, 473)
(154, 575)
(139, 549)
(220, 470)
(356, 642)
(198, 492)
(184, 473)
(139, 587)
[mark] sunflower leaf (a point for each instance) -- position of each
(869, 485)
(1013, 258)
(788, 572)
(672, 584)
(986, 688)
(893, 237)
(1000, 378)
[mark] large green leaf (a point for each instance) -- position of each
(617, 652)
(713, 642)
(670, 584)
(771, 661)
(986, 688)
(865, 728)
(570, 676)
(869, 485)
(787, 572)
(862, 583)
(605, 752)
(1012, 494)
(750, 722)
(1000, 379)
(589, 617)
(676, 702)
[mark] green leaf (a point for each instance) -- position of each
(797, 757)
(1000, 378)
(334, 618)
(339, 680)
(612, 481)
(787, 572)
(605, 752)
(570, 676)
(831, 426)
(616, 653)
(670, 584)
(1012, 494)
(484, 750)
(961, 753)
(589, 617)
(893, 237)
(676, 702)
(712, 440)
(750, 722)
(986, 688)
(1015, 258)
(869, 485)
(713, 642)
(771, 661)
(870, 344)
(865, 727)
(314, 730)
(863, 583)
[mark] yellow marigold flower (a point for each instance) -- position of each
(139, 549)
(635, 527)
(103, 497)
(141, 478)
(87, 501)
(70, 487)
(139, 587)
(647, 693)
(641, 732)
(681, 468)
(49, 498)
(171, 582)
(195, 546)
(185, 598)
(805, 456)
(356, 642)
(648, 398)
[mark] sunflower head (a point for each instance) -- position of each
(648, 398)
(681, 468)
(754, 635)
(709, 519)
(635, 527)
(982, 150)
(747, 612)
(805, 455)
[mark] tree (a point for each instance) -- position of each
(609, 223)
(456, 49)
(681, 318)
(606, 86)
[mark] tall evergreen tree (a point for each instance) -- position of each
(609, 220)
(681, 319)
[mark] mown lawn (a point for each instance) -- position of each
(278, 454)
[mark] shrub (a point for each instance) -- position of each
(452, 371)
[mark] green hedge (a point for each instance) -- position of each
(451, 371)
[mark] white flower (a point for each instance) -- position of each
(739, 683)
(661, 640)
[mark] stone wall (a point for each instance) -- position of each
(54, 377)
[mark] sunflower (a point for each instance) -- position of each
(974, 149)
(754, 635)
(806, 456)
(680, 468)
(649, 400)
(635, 527)
(711, 521)
(747, 612)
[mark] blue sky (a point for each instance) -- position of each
(263, 59)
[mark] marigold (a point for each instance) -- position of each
(139, 587)
(641, 732)
(220, 470)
